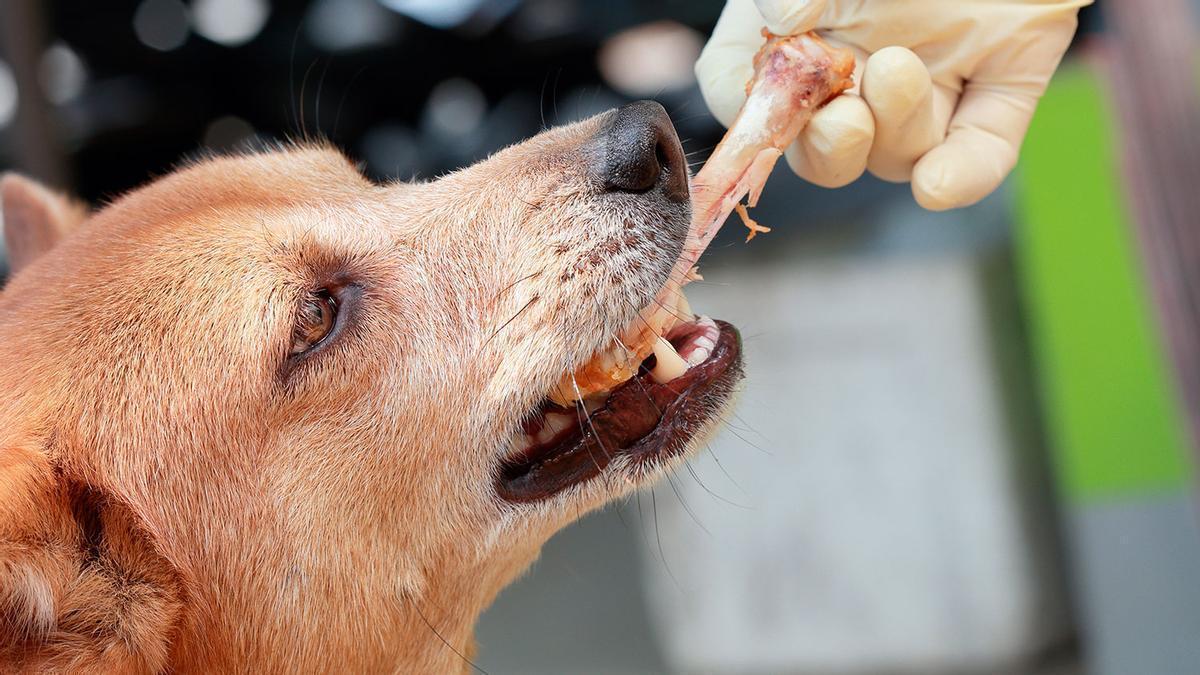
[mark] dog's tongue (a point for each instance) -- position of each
(793, 77)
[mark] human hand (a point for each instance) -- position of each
(944, 89)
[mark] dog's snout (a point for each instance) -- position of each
(642, 152)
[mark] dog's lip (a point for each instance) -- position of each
(642, 421)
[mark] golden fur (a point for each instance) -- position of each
(173, 499)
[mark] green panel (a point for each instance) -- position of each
(1114, 420)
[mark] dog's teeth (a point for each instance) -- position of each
(555, 423)
(700, 346)
(668, 364)
(613, 366)
(701, 352)
(558, 421)
(521, 441)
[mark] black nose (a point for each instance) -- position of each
(642, 152)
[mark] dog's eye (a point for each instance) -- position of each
(314, 321)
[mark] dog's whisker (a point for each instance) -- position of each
(292, 76)
(694, 116)
(658, 538)
(684, 504)
(320, 86)
(580, 405)
(680, 108)
(303, 104)
(699, 482)
(671, 310)
(542, 100)
(645, 393)
(554, 93)
(698, 151)
(447, 642)
(512, 318)
(641, 519)
(580, 419)
(750, 443)
(536, 207)
(746, 425)
(337, 117)
(527, 277)
(721, 467)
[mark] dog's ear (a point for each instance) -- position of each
(35, 218)
(82, 588)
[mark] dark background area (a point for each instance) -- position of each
(372, 80)
(97, 98)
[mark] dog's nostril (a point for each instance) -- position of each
(660, 154)
(642, 151)
(634, 171)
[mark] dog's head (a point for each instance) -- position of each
(265, 391)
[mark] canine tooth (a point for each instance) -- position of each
(668, 364)
(619, 362)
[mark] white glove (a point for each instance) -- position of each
(944, 88)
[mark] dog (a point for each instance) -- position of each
(265, 415)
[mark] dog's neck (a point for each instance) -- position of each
(439, 625)
(383, 623)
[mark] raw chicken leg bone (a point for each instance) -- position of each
(793, 77)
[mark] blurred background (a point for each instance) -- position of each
(967, 440)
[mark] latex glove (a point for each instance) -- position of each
(944, 88)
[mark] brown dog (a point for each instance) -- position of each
(264, 415)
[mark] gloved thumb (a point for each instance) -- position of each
(790, 17)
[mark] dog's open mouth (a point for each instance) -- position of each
(651, 416)
(667, 375)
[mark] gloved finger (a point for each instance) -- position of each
(979, 151)
(790, 17)
(897, 87)
(832, 150)
(993, 114)
(726, 63)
